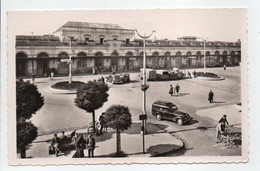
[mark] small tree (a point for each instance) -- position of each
(91, 96)
(26, 133)
(28, 101)
(118, 117)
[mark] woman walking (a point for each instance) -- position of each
(171, 90)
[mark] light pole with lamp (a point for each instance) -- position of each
(144, 87)
(70, 50)
(204, 40)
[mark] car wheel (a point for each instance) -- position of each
(158, 117)
(180, 122)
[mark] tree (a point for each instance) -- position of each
(26, 133)
(118, 117)
(28, 101)
(91, 96)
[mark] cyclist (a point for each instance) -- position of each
(220, 130)
(224, 119)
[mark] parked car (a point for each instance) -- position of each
(118, 78)
(169, 111)
(150, 74)
(162, 75)
(176, 75)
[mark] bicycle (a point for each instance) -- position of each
(91, 128)
(228, 138)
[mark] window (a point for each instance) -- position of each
(127, 41)
(101, 41)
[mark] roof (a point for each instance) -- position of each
(76, 24)
(37, 38)
(163, 103)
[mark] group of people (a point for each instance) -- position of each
(51, 76)
(175, 89)
(77, 140)
(81, 144)
(188, 74)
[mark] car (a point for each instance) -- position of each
(162, 75)
(119, 78)
(150, 74)
(176, 75)
(169, 111)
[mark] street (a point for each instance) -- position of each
(60, 113)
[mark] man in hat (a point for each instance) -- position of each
(224, 119)
(91, 144)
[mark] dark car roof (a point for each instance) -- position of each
(164, 103)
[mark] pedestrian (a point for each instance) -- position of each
(52, 75)
(224, 119)
(33, 77)
(55, 144)
(63, 137)
(80, 146)
(93, 70)
(91, 144)
(211, 95)
(189, 74)
(102, 79)
(102, 123)
(195, 74)
(171, 90)
(220, 130)
(177, 88)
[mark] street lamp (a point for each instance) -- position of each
(70, 75)
(144, 87)
(204, 40)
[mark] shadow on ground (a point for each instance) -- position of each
(162, 149)
(218, 102)
(121, 154)
(153, 128)
(180, 94)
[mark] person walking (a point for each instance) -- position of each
(33, 77)
(52, 75)
(211, 95)
(224, 66)
(195, 74)
(189, 74)
(102, 123)
(91, 144)
(171, 90)
(102, 79)
(80, 146)
(177, 88)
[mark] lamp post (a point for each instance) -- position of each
(144, 87)
(204, 49)
(70, 75)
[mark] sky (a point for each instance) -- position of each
(214, 24)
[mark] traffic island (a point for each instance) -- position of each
(209, 76)
(65, 85)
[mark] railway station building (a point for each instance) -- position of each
(107, 47)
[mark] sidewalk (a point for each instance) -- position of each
(157, 143)
(233, 114)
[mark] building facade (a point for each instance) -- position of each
(108, 47)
